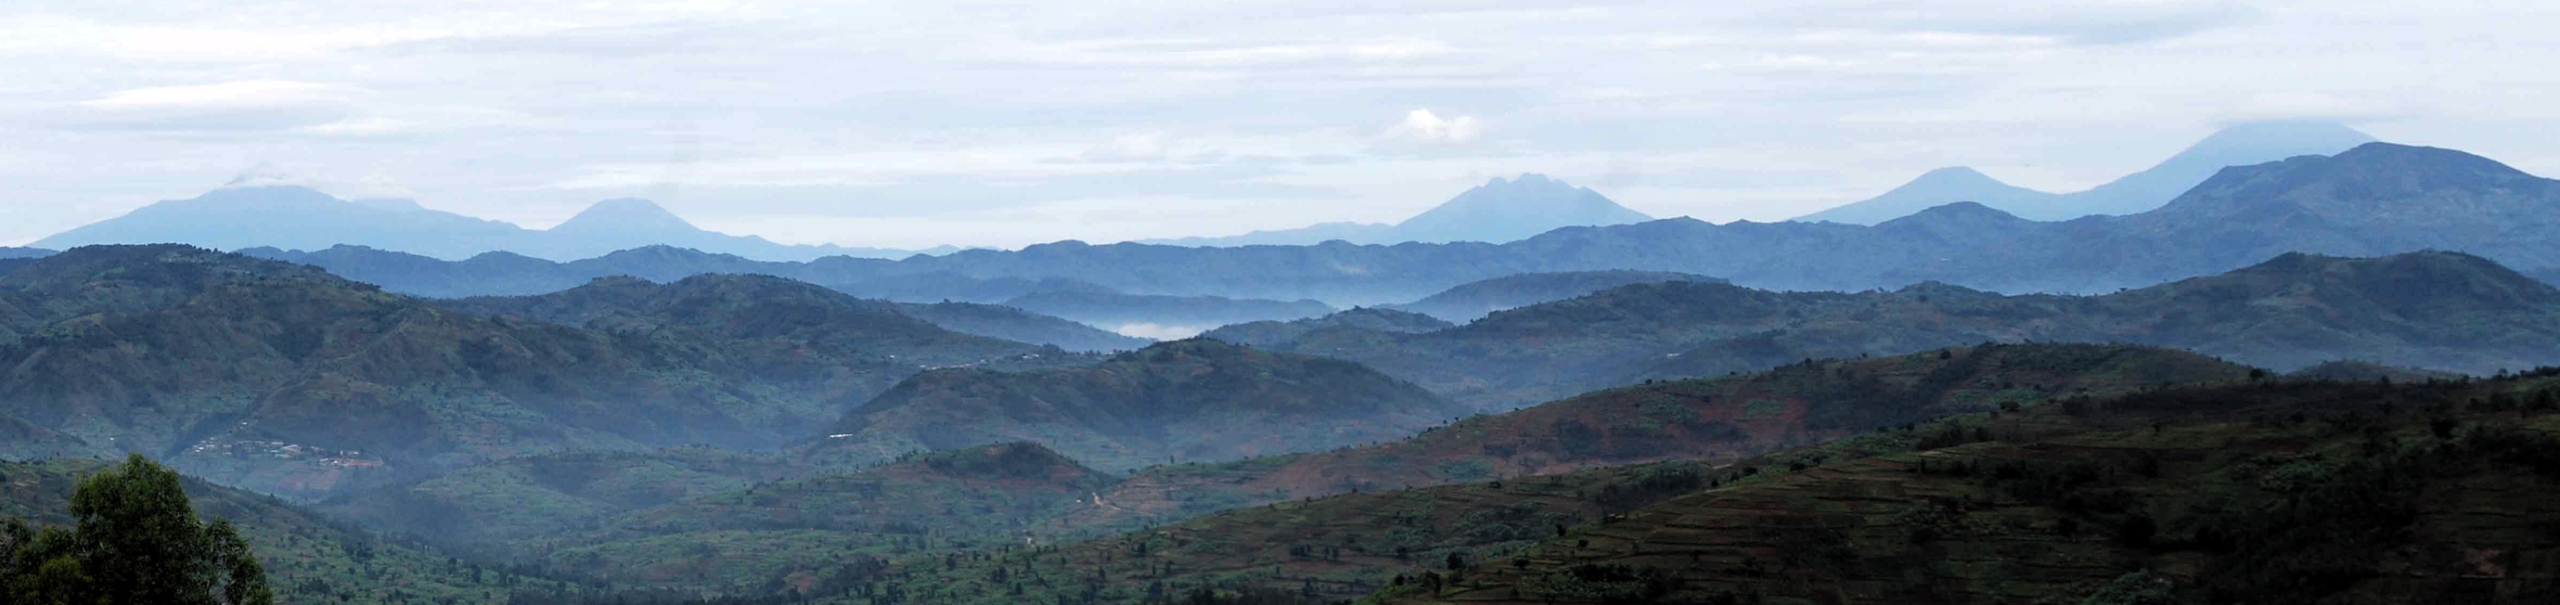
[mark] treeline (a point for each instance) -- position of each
(134, 538)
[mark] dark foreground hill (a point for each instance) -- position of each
(2340, 493)
(2244, 491)
(2431, 310)
(282, 378)
(1187, 400)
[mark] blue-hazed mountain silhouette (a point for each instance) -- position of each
(2240, 145)
(2373, 200)
(294, 217)
(1498, 211)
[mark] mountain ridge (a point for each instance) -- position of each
(1499, 211)
(2237, 145)
(2496, 215)
(296, 217)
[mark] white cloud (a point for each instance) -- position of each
(1423, 125)
(774, 117)
(227, 95)
(268, 174)
(2310, 105)
(1136, 146)
(1158, 331)
(237, 107)
(360, 127)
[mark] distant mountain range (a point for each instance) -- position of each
(2374, 200)
(294, 217)
(1496, 212)
(2241, 145)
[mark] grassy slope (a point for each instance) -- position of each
(1987, 507)
(997, 321)
(1717, 418)
(2423, 309)
(285, 379)
(309, 558)
(1473, 300)
(2295, 492)
(554, 493)
(772, 536)
(1194, 399)
(1372, 319)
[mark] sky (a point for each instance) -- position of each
(968, 122)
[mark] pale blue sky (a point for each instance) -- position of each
(1004, 123)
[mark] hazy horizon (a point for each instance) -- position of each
(815, 125)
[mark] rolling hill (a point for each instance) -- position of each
(1474, 300)
(1164, 316)
(2432, 310)
(285, 379)
(998, 321)
(1371, 319)
(1680, 420)
(775, 537)
(1186, 400)
(309, 558)
(2251, 490)
(546, 495)
(718, 307)
(2345, 501)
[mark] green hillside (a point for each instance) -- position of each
(1188, 400)
(1797, 405)
(309, 558)
(2434, 310)
(783, 536)
(486, 506)
(281, 378)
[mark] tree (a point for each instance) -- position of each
(134, 539)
